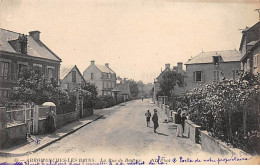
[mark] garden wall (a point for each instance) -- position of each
(2, 126)
(16, 134)
(64, 119)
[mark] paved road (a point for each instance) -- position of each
(122, 132)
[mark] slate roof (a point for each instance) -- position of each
(103, 68)
(36, 49)
(65, 69)
(206, 57)
(124, 87)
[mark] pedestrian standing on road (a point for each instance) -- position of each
(148, 117)
(155, 121)
(178, 121)
(183, 118)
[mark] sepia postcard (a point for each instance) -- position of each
(119, 82)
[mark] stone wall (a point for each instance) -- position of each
(64, 119)
(2, 126)
(16, 134)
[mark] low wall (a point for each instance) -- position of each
(64, 119)
(15, 134)
(212, 145)
(194, 132)
(2, 126)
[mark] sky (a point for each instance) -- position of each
(136, 38)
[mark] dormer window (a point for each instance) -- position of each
(216, 60)
(20, 44)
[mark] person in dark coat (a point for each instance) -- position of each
(178, 121)
(50, 122)
(155, 121)
(148, 117)
(183, 118)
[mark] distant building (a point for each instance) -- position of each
(250, 49)
(70, 77)
(213, 66)
(103, 77)
(18, 51)
(156, 87)
(124, 91)
(178, 90)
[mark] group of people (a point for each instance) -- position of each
(180, 121)
(154, 119)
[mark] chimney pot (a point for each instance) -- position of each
(92, 62)
(35, 35)
(107, 65)
(167, 66)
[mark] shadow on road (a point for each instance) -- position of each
(162, 134)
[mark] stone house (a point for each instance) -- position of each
(18, 51)
(212, 66)
(178, 90)
(103, 77)
(250, 49)
(124, 90)
(70, 77)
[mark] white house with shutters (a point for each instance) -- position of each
(212, 66)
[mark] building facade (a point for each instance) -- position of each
(18, 51)
(103, 77)
(70, 77)
(213, 66)
(250, 49)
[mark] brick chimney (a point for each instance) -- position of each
(92, 62)
(167, 66)
(107, 65)
(179, 66)
(35, 35)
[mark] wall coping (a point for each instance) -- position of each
(15, 125)
(235, 151)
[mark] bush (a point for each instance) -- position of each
(229, 111)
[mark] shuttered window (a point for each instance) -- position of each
(198, 76)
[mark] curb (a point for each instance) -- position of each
(4, 154)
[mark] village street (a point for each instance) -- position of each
(122, 132)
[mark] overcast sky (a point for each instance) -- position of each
(136, 38)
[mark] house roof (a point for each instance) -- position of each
(124, 87)
(34, 48)
(65, 70)
(256, 44)
(206, 57)
(104, 68)
(243, 36)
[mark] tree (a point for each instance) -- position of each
(134, 90)
(169, 80)
(88, 99)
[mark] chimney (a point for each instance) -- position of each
(167, 66)
(92, 62)
(35, 35)
(179, 66)
(107, 65)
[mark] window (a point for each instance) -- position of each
(242, 66)
(37, 65)
(198, 76)
(248, 64)
(73, 74)
(92, 76)
(21, 67)
(4, 69)
(50, 72)
(256, 60)
(216, 60)
(216, 75)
